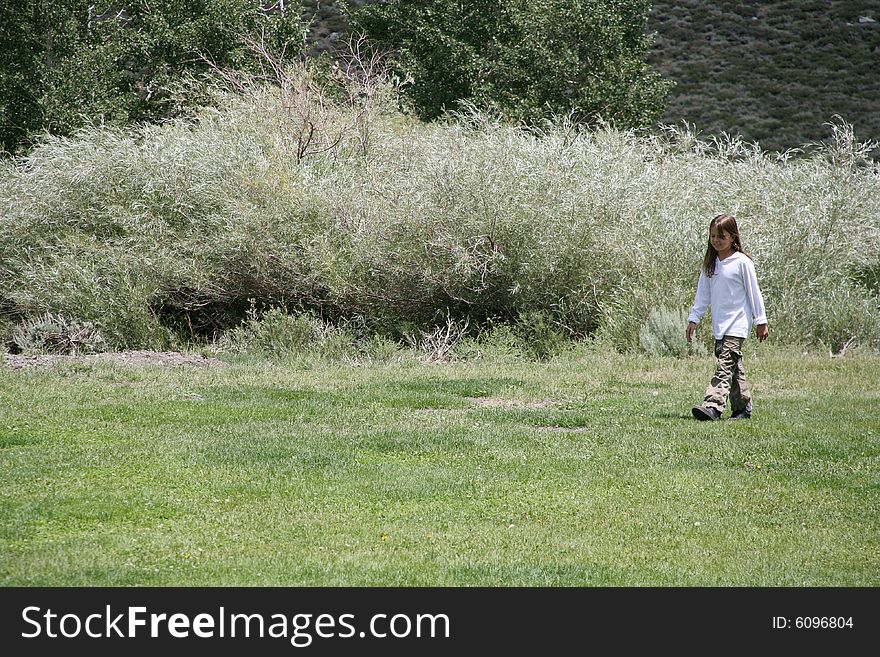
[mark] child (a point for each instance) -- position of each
(728, 284)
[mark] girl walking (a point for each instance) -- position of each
(729, 285)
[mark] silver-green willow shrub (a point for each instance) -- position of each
(399, 222)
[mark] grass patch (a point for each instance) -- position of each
(390, 474)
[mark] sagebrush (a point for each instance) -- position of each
(663, 334)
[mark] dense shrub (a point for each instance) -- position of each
(277, 333)
(162, 235)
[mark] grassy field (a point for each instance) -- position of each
(586, 470)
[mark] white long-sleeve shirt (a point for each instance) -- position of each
(734, 295)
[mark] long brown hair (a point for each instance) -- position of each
(722, 223)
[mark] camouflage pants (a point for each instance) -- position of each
(729, 378)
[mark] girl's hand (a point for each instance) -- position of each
(762, 332)
(689, 331)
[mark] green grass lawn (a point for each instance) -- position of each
(587, 470)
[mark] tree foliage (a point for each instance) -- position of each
(527, 59)
(69, 62)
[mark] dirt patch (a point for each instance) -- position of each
(131, 358)
(495, 402)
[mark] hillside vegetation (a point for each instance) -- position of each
(773, 72)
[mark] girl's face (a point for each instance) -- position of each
(721, 241)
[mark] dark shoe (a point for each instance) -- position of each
(741, 415)
(704, 413)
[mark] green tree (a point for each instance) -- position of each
(528, 59)
(19, 74)
(64, 63)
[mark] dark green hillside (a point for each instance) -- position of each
(774, 72)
